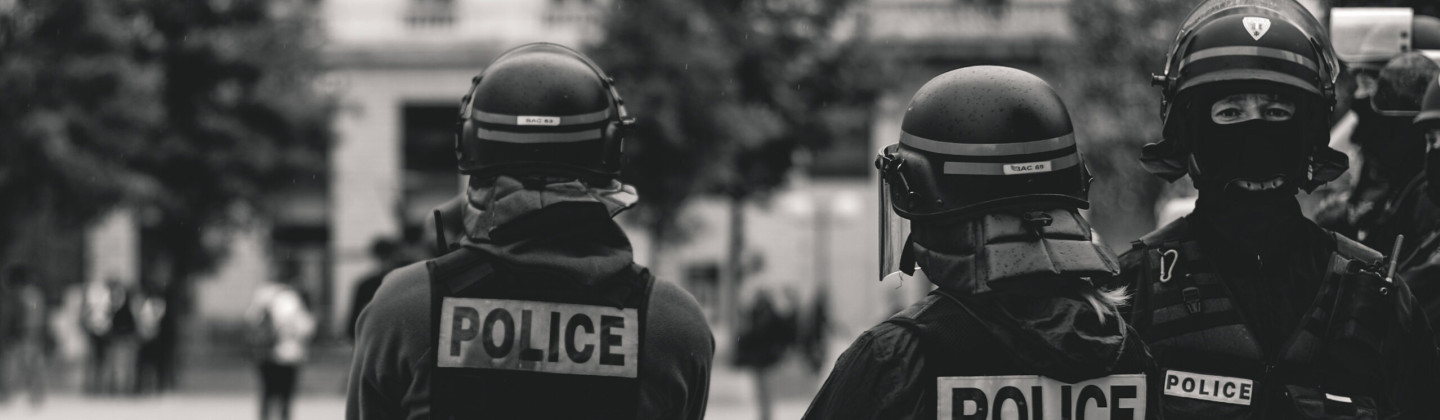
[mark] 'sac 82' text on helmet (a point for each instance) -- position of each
(542, 108)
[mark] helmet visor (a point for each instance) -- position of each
(894, 230)
(1369, 36)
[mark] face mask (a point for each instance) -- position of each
(1432, 175)
(1368, 123)
(1251, 157)
(1392, 144)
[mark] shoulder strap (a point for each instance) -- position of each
(1352, 250)
(1181, 297)
(458, 269)
(1175, 231)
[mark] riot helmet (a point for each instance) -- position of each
(1389, 140)
(975, 140)
(1429, 115)
(1270, 49)
(1365, 38)
(1402, 84)
(542, 108)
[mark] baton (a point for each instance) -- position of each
(1394, 258)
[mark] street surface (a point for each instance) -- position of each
(226, 390)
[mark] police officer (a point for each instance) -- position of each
(1419, 208)
(1249, 308)
(988, 174)
(1368, 40)
(540, 311)
(1398, 95)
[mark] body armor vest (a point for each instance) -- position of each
(1214, 367)
(512, 347)
(976, 375)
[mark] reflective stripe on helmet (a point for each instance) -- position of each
(540, 137)
(493, 118)
(1253, 51)
(987, 149)
(986, 168)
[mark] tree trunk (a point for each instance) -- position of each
(734, 263)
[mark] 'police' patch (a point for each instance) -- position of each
(1038, 397)
(537, 120)
(1026, 168)
(1221, 389)
(538, 336)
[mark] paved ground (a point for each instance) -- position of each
(223, 387)
(243, 407)
(225, 390)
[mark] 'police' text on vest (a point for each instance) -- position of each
(1039, 398)
(538, 336)
(1222, 389)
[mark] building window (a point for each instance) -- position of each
(426, 14)
(431, 176)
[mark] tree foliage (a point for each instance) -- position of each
(1105, 76)
(727, 91)
(181, 110)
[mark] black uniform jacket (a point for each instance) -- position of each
(394, 357)
(1273, 288)
(886, 374)
(1418, 218)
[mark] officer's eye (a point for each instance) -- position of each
(1277, 114)
(1226, 114)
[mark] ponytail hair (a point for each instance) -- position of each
(1107, 302)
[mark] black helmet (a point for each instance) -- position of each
(1401, 84)
(973, 142)
(1273, 44)
(541, 107)
(1268, 41)
(1429, 115)
(982, 137)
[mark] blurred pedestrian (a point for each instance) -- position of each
(97, 308)
(767, 330)
(281, 325)
(984, 192)
(149, 313)
(386, 253)
(23, 346)
(1245, 292)
(814, 324)
(122, 342)
(572, 327)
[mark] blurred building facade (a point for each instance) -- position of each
(399, 67)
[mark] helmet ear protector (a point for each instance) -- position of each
(613, 134)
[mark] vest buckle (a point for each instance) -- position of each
(1192, 299)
